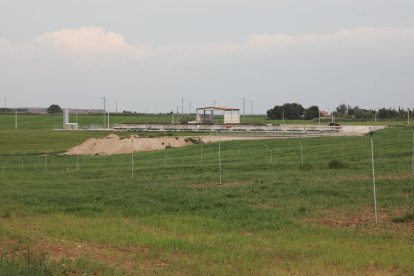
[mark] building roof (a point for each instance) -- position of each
(219, 108)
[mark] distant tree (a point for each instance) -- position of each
(342, 110)
(311, 112)
(389, 113)
(292, 111)
(276, 113)
(54, 109)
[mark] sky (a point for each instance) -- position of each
(146, 56)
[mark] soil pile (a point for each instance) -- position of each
(113, 144)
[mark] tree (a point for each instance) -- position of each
(276, 113)
(290, 111)
(342, 110)
(311, 112)
(54, 109)
(293, 111)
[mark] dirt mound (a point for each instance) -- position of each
(113, 144)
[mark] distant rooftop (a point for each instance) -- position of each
(221, 108)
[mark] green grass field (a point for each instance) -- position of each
(36, 122)
(168, 214)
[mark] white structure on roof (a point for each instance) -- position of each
(205, 115)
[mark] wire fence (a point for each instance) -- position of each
(231, 160)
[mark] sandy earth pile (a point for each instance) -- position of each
(113, 144)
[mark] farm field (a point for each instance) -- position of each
(36, 122)
(165, 212)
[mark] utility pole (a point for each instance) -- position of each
(15, 119)
(375, 115)
(408, 117)
(189, 107)
(244, 110)
(108, 119)
(116, 107)
(104, 106)
(251, 107)
(182, 105)
(5, 105)
(214, 103)
(319, 114)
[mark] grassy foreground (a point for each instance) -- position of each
(165, 212)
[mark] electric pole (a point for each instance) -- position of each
(251, 107)
(182, 105)
(104, 113)
(244, 110)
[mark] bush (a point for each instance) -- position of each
(336, 164)
(193, 140)
(405, 218)
(306, 167)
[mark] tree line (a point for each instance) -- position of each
(295, 111)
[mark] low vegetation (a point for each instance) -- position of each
(166, 213)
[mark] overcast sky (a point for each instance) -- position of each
(146, 55)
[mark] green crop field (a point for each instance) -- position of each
(165, 212)
(36, 122)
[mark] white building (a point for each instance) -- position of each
(205, 115)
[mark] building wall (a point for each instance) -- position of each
(231, 117)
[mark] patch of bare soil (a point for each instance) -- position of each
(113, 144)
(363, 218)
(380, 177)
(206, 186)
(128, 259)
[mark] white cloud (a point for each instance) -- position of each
(88, 41)
(92, 42)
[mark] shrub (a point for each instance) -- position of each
(405, 218)
(306, 167)
(194, 140)
(336, 164)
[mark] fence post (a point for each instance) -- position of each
(373, 176)
(132, 165)
(219, 157)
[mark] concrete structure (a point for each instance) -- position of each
(205, 115)
(65, 116)
(66, 124)
(71, 126)
(267, 130)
